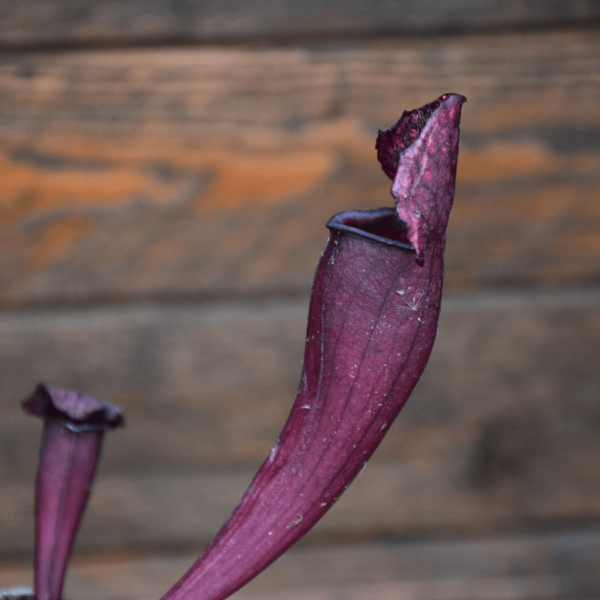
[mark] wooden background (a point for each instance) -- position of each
(166, 170)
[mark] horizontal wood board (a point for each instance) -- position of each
(38, 22)
(158, 177)
(166, 173)
(559, 566)
(501, 433)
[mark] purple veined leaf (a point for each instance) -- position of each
(419, 155)
(372, 322)
(74, 425)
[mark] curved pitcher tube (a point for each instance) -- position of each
(372, 322)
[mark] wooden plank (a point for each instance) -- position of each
(187, 173)
(501, 432)
(392, 499)
(233, 369)
(34, 22)
(556, 566)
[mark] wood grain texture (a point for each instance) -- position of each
(501, 433)
(545, 567)
(31, 22)
(186, 173)
(166, 169)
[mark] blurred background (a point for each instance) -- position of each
(167, 168)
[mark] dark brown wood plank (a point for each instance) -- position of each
(76, 21)
(558, 566)
(501, 432)
(160, 174)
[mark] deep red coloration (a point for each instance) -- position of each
(372, 323)
(395, 140)
(71, 443)
(424, 181)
